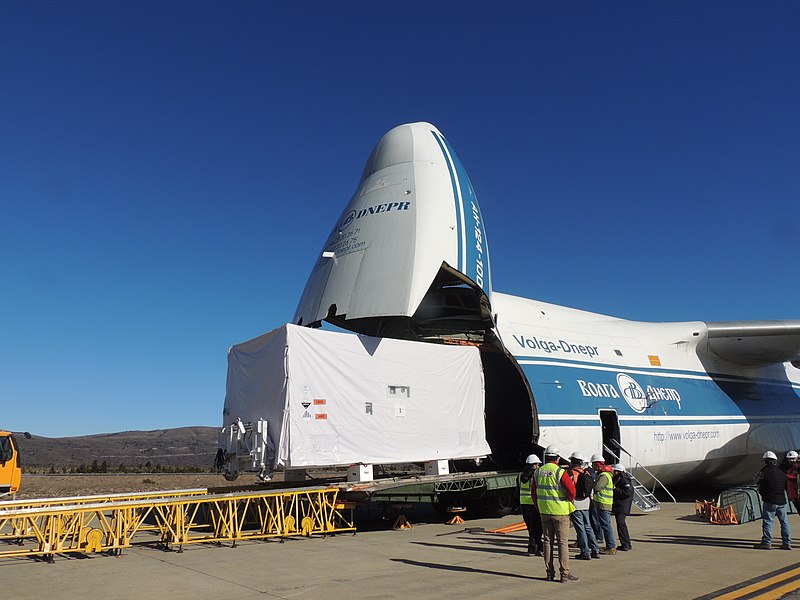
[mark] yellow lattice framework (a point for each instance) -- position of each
(171, 521)
(17, 528)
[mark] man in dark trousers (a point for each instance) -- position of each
(623, 501)
(771, 482)
(528, 507)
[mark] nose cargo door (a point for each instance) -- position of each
(414, 225)
(408, 258)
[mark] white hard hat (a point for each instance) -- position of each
(618, 467)
(597, 458)
(769, 454)
(533, 460)
(577, 456)
(791, 455)
(552, 450)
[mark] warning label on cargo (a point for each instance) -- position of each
(321, 416)
(319, 401)
(399, 391)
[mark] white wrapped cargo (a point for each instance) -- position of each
(300, 397)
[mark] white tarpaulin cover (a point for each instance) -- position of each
(339, 399)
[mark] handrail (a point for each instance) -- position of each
(639, 465)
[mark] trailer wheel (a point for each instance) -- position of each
(501, 503)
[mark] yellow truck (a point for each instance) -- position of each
(10, 466)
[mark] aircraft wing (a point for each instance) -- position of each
(755, 343)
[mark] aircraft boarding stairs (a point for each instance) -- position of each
(643, 498)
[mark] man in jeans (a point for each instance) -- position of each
(602, 502)
(580, 518)
(771, 482)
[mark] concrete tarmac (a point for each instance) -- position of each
(675, 555)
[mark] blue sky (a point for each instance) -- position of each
(169, 171)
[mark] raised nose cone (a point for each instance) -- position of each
(410, 248)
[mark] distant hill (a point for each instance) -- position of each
(183, 446)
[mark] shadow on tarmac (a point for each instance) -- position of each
(691, 540)
(493, 549)
(462, 569)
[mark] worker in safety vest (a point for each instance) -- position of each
(554, 492)
(602, 502)
(530, 512)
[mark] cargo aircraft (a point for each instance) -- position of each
(409, 258)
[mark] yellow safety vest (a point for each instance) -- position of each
(525, 492)
(605, 497)
(550, 495)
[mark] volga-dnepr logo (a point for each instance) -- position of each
(354, 215)
(637, 397)
(348, 220)
(632, 392)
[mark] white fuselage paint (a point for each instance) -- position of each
(674, 417)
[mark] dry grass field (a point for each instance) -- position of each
(56, 486)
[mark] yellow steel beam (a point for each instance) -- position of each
(12, 529)
(183, 519)
(119, 497)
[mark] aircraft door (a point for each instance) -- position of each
(609, 423)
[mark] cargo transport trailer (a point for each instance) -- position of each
(301, 399)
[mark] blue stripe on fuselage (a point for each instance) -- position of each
(477, 247)
(573, 389)
(473, 250)
(456, 199)
(663, 371)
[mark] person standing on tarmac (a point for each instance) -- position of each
(771, 482)
(527, 505)
(580, 518)
(789, 466)
(602, 502)
(554, 492)
(623, 501)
